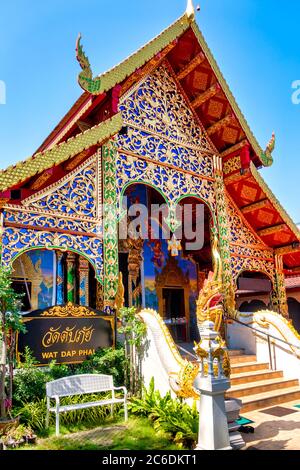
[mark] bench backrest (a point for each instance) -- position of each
(79, 385)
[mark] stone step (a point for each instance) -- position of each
(240, 391)
(256, 376)
(236, 352)
(242, 359)
(268, 399)
(249, 367)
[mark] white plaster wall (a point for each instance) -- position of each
(282, 357)
(241, 337)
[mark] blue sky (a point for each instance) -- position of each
(256, 43)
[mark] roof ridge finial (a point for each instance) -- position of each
(190, 10)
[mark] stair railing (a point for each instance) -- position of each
(187, 352)
(269, 338)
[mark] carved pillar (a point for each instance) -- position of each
(135, 259)
(111, 254)
(224, 236)
(279, 296)
(60, 294)
(71, 294)
(83, 281)
(99, 297)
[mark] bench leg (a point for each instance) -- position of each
(47, 414)
(47, 419)
(57, 424)
(125, 411)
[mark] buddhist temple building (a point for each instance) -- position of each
(160, 128)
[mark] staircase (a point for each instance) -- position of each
(257, 386)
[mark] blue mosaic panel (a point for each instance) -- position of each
(16, 240)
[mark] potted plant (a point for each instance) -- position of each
(15, 437)
(10, 325)
(29, 436)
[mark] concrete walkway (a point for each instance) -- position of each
(272, 433)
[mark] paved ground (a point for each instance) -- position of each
(272, 433)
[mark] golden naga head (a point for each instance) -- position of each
(209, 304)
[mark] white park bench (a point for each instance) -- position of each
(82, 385)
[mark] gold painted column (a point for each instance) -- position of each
(71, 266)
(60, 295)
(99, 297)
(83, 281)
(224, 237)
(135, 259)
(110, 237)
(279, 294)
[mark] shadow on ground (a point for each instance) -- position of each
(264, 437)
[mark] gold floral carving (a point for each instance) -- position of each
(74, 195)
(232, 165)
(157, 106)
(120, 301)
(186, 379)
(69, 310)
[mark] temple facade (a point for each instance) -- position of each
(162, 128)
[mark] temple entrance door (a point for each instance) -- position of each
(173, 290)
(174, 312)
(173, 303)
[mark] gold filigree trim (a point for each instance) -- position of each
(69, 310)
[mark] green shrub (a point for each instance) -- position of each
(179, 420)
(171, 416)
(29, 385)
(30, 381)
(30, 389)
(59, 371)
(106, 361)
(33, 414)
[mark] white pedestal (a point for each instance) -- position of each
(213, 424)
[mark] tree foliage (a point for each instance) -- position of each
(134, 331)
(10, 325)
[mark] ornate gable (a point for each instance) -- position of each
(248, 252)
(73, 203)
(162, 126)
(240, 232)
(67, 215)
(74, 196)
(157, 106)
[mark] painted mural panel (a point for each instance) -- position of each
(156, 258)
(36, 271)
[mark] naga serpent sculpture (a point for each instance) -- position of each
(209, 308)
(266, 156)
(85, 78)
(209, 304)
